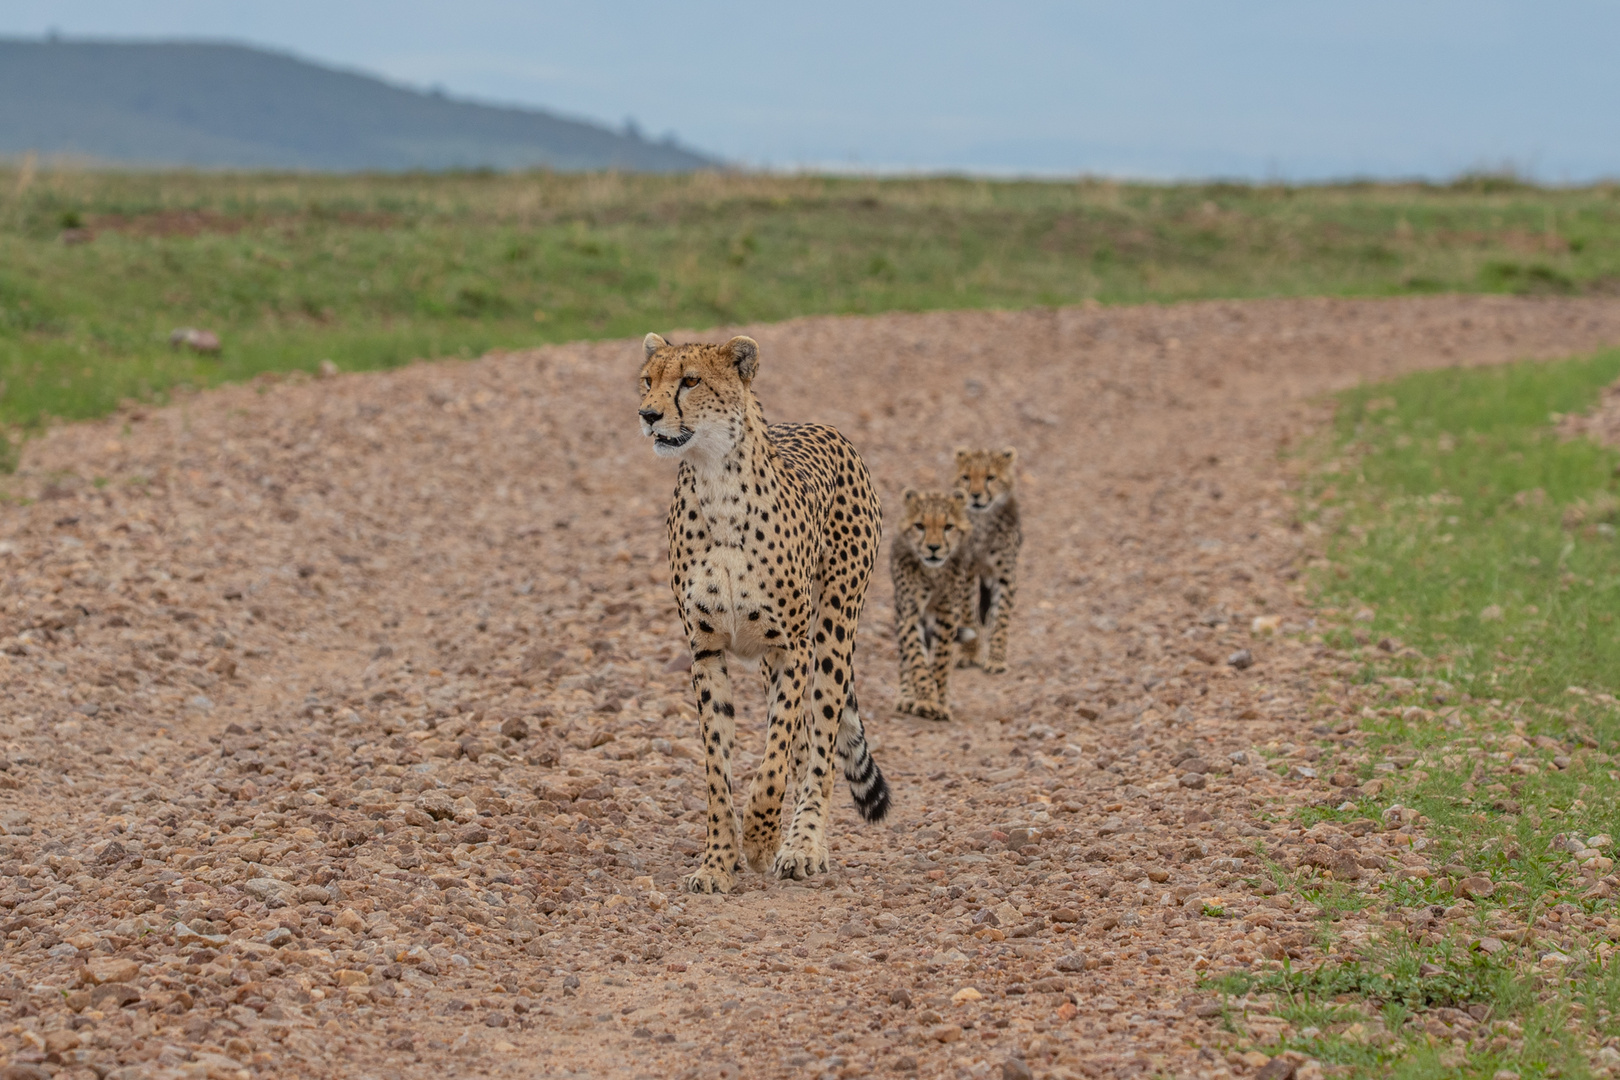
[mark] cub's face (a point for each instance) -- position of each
(986, 476)
(936, 524)
(694, 398)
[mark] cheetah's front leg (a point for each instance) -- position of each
(712, 684)
(919, 693)
(1004, 592)
(787, 672)
(804, 850)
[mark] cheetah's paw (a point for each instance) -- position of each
(995, 667)
(711, 879)
(760, 845)
(796, 865)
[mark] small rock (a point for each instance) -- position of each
(946, 1033)
(1066, 915)
(279, 938)
(326, 370)
(267, 889)
(1071, 963)
(1278, 1068)
(515, 729)
(1015, 1069)
(900, 996)
(1241, 659)
(1194, 781)
(110, 969)
(201, 341)
(1476, 886)
(114, 996)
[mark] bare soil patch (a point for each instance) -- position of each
(346, 729)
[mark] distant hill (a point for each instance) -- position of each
(230, 106)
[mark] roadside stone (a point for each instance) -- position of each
(1016, 1069)
(113, 969)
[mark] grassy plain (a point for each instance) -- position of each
(1472, 566)
(372, 271)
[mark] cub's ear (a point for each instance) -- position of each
(959, 497)
(962, 454)
(1009, 454)
(744, 352)
(651, 344)
(910, 496)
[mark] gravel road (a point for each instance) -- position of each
(347, 731)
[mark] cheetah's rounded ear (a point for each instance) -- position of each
(910, 495)
(651, 344)
(962, 454)
(959, 497)
(744, 353)
(1010, 454)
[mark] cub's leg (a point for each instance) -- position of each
(717, 714)
(945, 612)
(918, 693)
(969, 620)
(787, 673)
(804, 849)
(1003, 592)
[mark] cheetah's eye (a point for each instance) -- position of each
(920, 527)
(646, 384)
(690, 381)
(989, 477)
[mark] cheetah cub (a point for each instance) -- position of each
(930, 575)
(773, 532)
(991, 583)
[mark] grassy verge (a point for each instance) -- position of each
(1470, 565)
(96, 269)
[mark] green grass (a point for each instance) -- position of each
(1437, 498)
(372, 271)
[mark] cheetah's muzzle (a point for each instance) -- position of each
(674, 444)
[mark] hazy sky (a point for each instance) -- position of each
(1157, 88)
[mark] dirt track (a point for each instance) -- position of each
(260, 650)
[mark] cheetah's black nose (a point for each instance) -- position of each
(651, 416)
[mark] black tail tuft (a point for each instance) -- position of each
(874, 806)
(866, 783)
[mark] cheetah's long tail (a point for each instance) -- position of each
(866, 781)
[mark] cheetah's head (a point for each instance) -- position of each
(986, 476)
(695, 398)
(936, 523)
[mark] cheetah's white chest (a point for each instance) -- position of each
(724, 593)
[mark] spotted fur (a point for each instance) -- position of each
(930, 575)
(773, 532)
(991, 584)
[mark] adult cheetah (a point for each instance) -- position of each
(772, 535)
